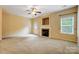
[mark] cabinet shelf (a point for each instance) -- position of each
(45, 21)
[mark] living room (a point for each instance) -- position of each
(39, 29)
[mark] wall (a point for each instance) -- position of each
(78, 27)
(13, 25)
(32, 25)
(37, 26)
(0, 23)
(54, 25)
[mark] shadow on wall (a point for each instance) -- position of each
(22, 32)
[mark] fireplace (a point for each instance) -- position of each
(45, 32)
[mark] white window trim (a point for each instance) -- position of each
(68, 25)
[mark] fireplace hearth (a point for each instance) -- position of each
(45, 32)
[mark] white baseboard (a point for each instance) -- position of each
(28, 35)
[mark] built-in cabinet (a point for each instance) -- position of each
(45, 21)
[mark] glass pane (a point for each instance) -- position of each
(67, 21)
(67, 29)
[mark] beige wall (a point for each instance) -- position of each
(15, 25)
(0, 23)
(78, 26)
(54, 25)
(37, 23)
(32, 25)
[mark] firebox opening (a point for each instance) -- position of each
(45, 32)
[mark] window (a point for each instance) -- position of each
(67, 24)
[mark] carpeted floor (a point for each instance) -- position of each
(36, 45)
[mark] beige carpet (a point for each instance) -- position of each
(36, 45)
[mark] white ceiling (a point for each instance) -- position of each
(20, 9)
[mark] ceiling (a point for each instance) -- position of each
(20, 9)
